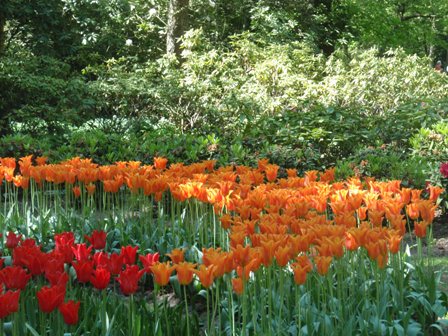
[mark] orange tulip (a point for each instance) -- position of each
(41, 160)
(282, 255)
(226, 221)
(354, 201)
(268, 251)
(434, 192)
(310, 176)
(305, 263)
(413, 211)
(76, 191)
(416, 194)
(162, 273)
(300, 243)
(291, 172)
(299, 274)
(394, 243)
(262, 163)
(420, 228)
(322, 264)
(238, 285)
(160, 162)
(206, 275)
(427, 210)
(90, 188)
(350, 242)
(328, 175)
(376, 217)
(176, 256)
(271, 172)
(405, 195)
(362, 213)
(185, 272)
(241, 255)
(347, 220)
(373, 249)
(21, 181)
(381, 260)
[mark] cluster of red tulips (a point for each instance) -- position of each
(91, 264)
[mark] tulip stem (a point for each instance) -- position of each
(215, 307)
(208, 312)
(281, 297)
(156, 309)
(131, 306)
(103, 311)
(186, 310)
(244, 307)
(42, 324)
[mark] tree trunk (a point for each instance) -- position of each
(2, 34)
(177, 25)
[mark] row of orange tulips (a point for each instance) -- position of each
(270, 217)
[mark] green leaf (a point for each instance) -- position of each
(31, 329)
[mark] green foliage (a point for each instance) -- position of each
(373, 83)
(432, 142)
(228, 89)
(41, 94)
(415, 25)
(215, 89)
(386, 163)
(19, 145)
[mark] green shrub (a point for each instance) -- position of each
(375, 83)
(386, 163)
(432, 142)
(224, 90)
(41, 95)
(20, 145)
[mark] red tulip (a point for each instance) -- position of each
(50, 298)
(2, 261)
(129, 254)
(101, 260)
(57, 279)
(14, 277)
(149, 260)
(444, 169)
(30, 257)
(100, 278)
(12, 240)
(64, 243)
(9, 303)
(64, 239)
(83, 270)
(81, 252)
(97, 240)
(29, 242)
(69, 311)
(115, 263)
(55, 263)
(129, 278)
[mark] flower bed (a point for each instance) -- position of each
(128, 249)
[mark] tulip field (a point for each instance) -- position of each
(174, 249)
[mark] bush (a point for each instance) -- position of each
(20, 145)
(432, 143)
(376, 84)
(41, 95)
(223, 90)
(386, 163)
